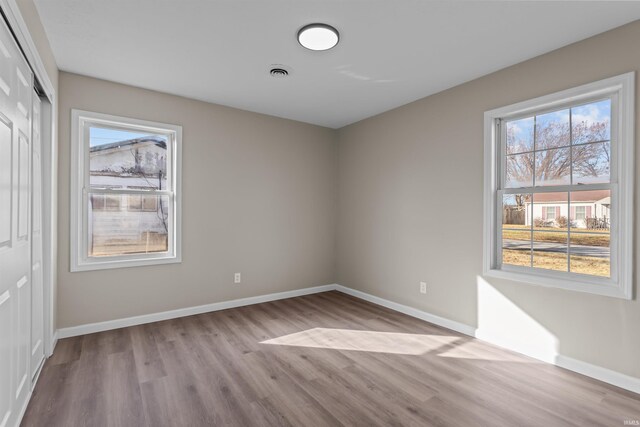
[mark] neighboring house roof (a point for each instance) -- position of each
(576, 196)
(160, 142)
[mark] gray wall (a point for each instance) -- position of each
(258, 198)
(410, 210)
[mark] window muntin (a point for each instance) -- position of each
(592, 167)
(127, 176)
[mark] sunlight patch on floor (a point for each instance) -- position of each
(475, 350)
(369, 341)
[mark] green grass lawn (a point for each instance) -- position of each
(555, 261)
(554, 235)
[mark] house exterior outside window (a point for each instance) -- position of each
(587, 209)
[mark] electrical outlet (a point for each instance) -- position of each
(423, 287)
(237, 278)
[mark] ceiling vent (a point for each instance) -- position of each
(279, 71)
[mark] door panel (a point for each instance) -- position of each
(24, 90)
(6, 331)
(16, 83)
(37, 285)
(23, 316)
(6, 172)
(6, 68)
(37, 319)
(24, 190)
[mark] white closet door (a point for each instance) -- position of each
(37, 289)
(16, 83)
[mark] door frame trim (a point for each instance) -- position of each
(21, 32)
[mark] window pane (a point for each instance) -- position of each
(135, 202)
(519, 171)
(591, 122)
(553, 167)
(550, 211)
(520, 136)
(146, 203)
(149, 203)
(97, 202)
(516, 229)
(122, 231)
(550, 250)
(591, 163)
(124, 159)
(516, 209)
(516, 247)
(112, 203)
(590, 210)
(552, 130)
(591, 253)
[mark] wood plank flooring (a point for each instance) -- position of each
(320, 360)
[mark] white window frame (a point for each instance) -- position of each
(583, 215)
(622, 92)
(80, 261)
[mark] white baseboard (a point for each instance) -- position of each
(23, 410)
(188, 311)
(413, 312)
(617, 379)
(603, 374)
(54, 342)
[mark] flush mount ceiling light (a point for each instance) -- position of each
(318, 36)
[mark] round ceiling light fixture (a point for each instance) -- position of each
(318, 36)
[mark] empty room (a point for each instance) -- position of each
(319, 213)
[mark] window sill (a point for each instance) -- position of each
(106, 264)
(584, 284)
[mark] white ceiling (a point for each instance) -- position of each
(391, 52)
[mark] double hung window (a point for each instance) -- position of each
(558, 189)
(125, 192)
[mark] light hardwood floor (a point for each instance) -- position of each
(321, 360)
